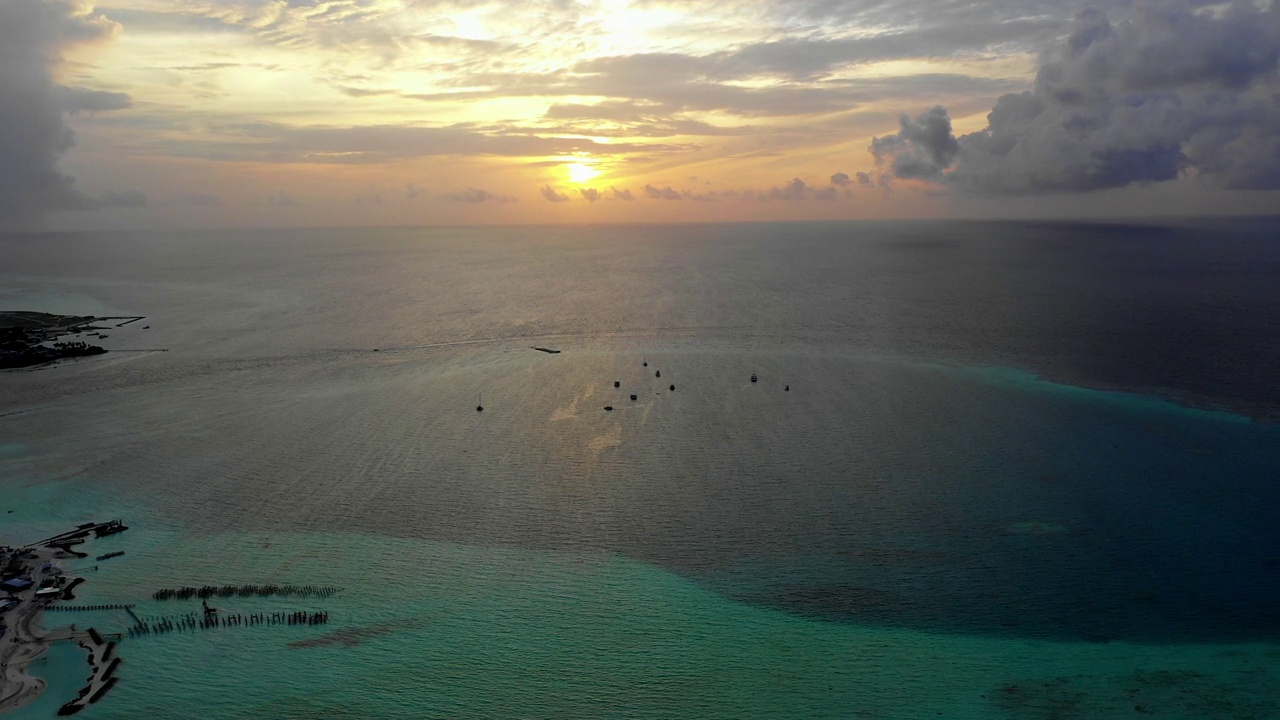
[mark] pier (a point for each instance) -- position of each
(87, 608)
(81, 532)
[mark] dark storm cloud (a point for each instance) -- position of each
(1173, 90)
(33, 132)
(477, 195)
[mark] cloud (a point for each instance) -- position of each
(624, 195)
(195, 200)
(550, 195)
(33, 131)
(282, 199)
(73, 100)
(840, 180)
(124, 199)
(865, 179)
(273, 142)
(412, 191)
(665, 193)
(1172, 91)
(923, 147)
(794, 190)
(477, 195)
(590, 194)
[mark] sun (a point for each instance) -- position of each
(580, 173)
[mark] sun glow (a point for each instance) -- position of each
(579, 173)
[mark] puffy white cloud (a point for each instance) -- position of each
(923, 147)
(1174, 90)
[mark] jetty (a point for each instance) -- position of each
(77, 536)
(87, 608)
(35, 582)
(102, 673)
(23, 335)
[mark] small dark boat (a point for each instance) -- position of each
(617, 384)
(608, 408)
(146, 327)
(658, 374)
(786, 389)
(479, 403)
(633, 396)
(673, 388)
(754, 378)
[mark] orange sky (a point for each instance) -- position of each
(402, 112)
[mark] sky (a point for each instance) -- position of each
(137, 114)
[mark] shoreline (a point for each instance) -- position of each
(24, 639)
(23, 643)
(24, 334)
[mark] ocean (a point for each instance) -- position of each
(988, 470)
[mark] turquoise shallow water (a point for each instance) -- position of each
(438, 630)
(917, 529)
(444, 629)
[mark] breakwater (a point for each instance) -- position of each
(102, 673)
(85, 608)
(208, 591)
(192, 622)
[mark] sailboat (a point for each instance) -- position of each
(479, 402)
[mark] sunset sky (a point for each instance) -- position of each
(212, 113)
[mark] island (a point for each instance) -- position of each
(30, 338)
